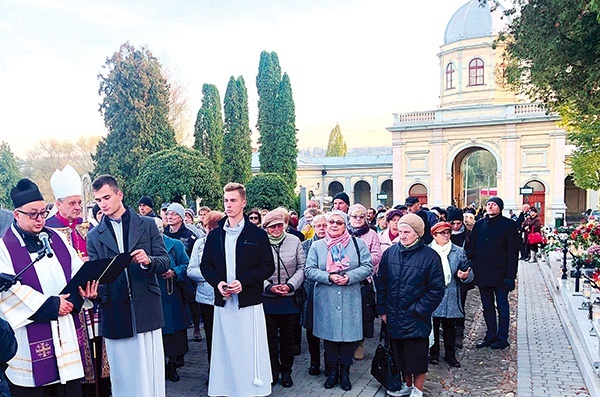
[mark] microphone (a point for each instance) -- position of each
(43, 236)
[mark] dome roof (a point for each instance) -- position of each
(473, 20)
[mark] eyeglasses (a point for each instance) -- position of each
(339, 223)
(35, 215)
(277, 225)
(253, 218)
(319, 225)
(357, 216)
(445, 233)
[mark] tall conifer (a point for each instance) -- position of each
(208, 130)
(237, 144)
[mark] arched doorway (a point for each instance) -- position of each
(334, 188)
(388, 187)
(575, 199)
(420, 191)
(362, 193)
(538, 198)
(474, 177)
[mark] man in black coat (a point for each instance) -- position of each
(522, 244)
(494, 247)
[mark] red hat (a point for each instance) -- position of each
(440, 226)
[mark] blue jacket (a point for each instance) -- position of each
(451, 305)
(204, 291)
(175, 309)
(410, 286)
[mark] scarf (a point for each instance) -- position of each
(443, 251)
(337, 258)
(276, 240)
(358, 231)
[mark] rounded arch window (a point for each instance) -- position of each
(450, 76)
(476, 72)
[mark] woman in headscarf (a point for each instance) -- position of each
(337, 264)
(456, 269)
(359, 227)
(282, 311)
(319, 223)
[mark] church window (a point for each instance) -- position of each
(450, 76)
(476, 72)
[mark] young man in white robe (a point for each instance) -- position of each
(132, 315)
(49, 355)
(237, 259)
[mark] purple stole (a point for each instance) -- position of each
(39, 335)
(77, 241)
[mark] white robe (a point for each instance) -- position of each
(22, 301)
(240, 364)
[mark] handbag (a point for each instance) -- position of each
(300, 296)
(383, 366)
(535, 238)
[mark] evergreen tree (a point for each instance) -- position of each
(9, 174)
(135, 107)
(208, 131)
(269, 190)
(237, 143)
(337, 146)
(276, 119)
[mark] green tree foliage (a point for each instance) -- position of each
(9, 174)
(337, 146)
(552, 56)
(237, 142)
(276, 119)
(135, 107)
(179, 171)
(269, 190)
(208, 131)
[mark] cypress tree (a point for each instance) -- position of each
(285, 145)
(237, 143)
(337, 146)
(208, 130)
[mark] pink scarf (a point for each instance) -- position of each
(337, 258)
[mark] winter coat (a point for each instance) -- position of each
(337, 315)
(254, 262)
(205, 293)
(495, 249)
(385, 241)
(410, 286)
(289, 258)
(533, 225)
(184, 234)
(306, 315)
(451, 305)
(175, 309)
(374, 246)
(8, 349)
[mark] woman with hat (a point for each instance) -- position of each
(391, 235)
(282, 310)
(456, 268)
(337, 264)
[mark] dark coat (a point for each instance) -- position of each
(253, 266)
(494, 247)
(410, 286)
(142, 286)
(8, 349)
(175, 310)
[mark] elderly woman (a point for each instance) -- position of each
(359, 227)
(282, 311)
(173, 285)
(391, 235)
(337, 264)
(319, 223)
(456, 268)
(205, 294)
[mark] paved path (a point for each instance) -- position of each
(547, 364)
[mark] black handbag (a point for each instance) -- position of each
(383, 366)
(300, 296)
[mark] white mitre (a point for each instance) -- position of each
(66, 183)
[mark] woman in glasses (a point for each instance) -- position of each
(282, 309)
(456, 270)
(337, 264)
(359, 227)
(319, 223)
(255, 217)
(391, 235)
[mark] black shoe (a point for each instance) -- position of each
(485, 342)
(328, 369)
(434, 360)
(345, 377)
(172, 374)
(333, 378)
(500, 344)
(275, 379)
(179, 362)
(314, 368)
(297, 350)
(286, 380)
(452, 361)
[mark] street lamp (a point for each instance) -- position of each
(563, 237)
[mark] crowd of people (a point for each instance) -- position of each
(267, 274)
